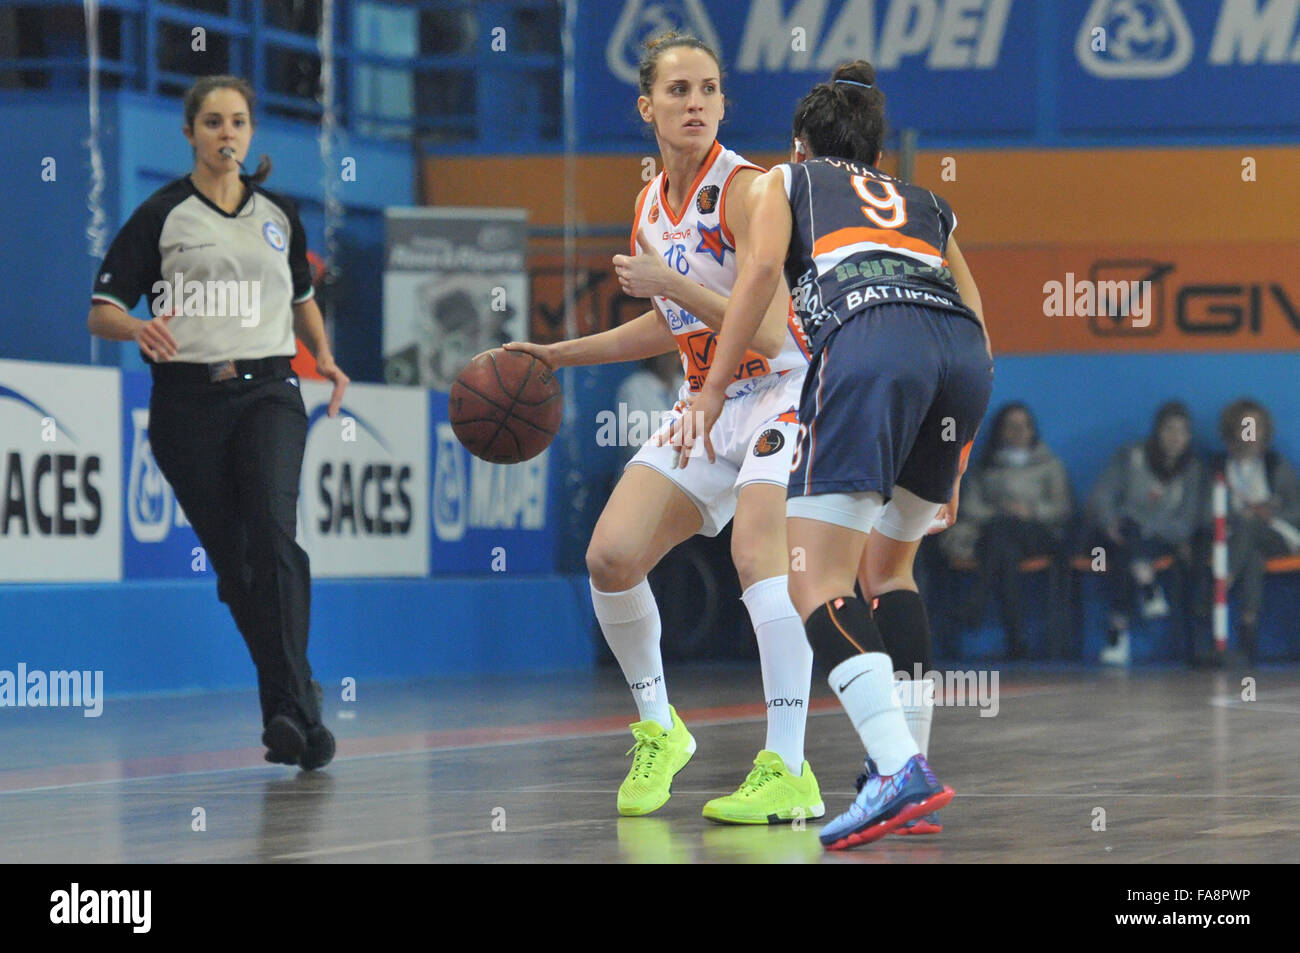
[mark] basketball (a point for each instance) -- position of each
(505, 406)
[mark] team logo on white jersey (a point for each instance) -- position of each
(642, 19)
(707, 200)
(274, 237)
(1134, 39)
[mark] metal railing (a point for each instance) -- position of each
(404, 68)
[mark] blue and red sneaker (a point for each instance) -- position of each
(886, 803)
(930, 824)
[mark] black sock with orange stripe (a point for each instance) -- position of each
(901, 618)
(840, 629)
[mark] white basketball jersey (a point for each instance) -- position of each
(696, 242)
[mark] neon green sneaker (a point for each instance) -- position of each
(659, 755)
(770, 794)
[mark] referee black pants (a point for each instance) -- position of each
(232, 452)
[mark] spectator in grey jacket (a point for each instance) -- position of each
(1263, 508)
(1146, 505)
(1014, 504)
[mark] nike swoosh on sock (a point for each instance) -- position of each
(854, 679)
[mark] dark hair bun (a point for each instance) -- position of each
(859, 71)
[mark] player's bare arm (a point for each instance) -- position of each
(758, 279)
(646, 274)
(644, 336)
(970, 294)
(770, 336)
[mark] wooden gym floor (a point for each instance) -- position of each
(1183, 769)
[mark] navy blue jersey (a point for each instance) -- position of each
(863, 238)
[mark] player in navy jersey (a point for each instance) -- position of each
(899, 381)
(691, 226)
(227, 424)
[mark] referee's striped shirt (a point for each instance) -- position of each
(239, 272)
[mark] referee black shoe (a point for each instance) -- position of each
(285, 740)
(319, 750)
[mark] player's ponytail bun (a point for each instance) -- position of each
(845, 116)
(859, 71)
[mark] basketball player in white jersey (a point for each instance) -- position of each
(691, 222)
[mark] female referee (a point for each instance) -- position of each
(899, 382)
(693, 224)
(227, 423)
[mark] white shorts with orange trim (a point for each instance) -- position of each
(753, 442)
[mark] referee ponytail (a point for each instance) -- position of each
(197, 93)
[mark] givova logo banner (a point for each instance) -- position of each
(60, 469)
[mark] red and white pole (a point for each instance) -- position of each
(1220, 563)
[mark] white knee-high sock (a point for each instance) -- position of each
(864, 685)
(786, 659)
(630, 622)
(918, 710)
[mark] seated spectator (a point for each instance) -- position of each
(1146, 506)
(1263, 508)
(1014, 504)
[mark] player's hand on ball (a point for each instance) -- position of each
(694, 426)
(154, 340)
(327, 369)
(545, 353)
(645, 274)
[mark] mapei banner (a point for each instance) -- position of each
(157, 540)
(1193, 66)
(487, 517)
(1026, 69)
(60, 469)
(774, 51)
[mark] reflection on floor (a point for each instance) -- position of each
(1175, 766)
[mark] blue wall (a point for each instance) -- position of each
(48, 270)
(1089, 404)
(48, 265)
(444, 626)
